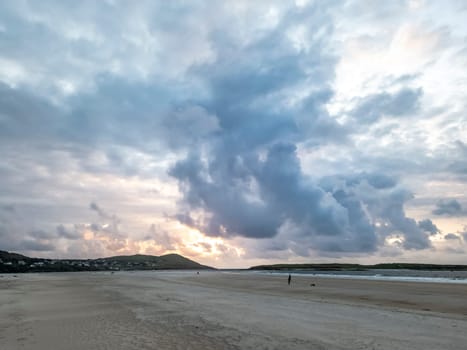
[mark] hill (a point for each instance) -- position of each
(11, 256)
(169, 261)
(12, 262)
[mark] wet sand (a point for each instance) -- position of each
(215, 310)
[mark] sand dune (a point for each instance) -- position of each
(214, 310)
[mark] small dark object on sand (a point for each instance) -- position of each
(289, 279)
(312, 285)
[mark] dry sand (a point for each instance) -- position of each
(215, 310)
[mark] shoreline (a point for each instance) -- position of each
(377, 276)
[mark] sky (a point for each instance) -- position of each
(235, 133)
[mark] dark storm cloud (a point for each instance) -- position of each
(448, 207)
(371, 108)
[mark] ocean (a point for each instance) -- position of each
(426, 276)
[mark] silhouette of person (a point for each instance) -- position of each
(289, 279)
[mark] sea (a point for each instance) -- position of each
(426, 276)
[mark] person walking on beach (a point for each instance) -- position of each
(289, 279)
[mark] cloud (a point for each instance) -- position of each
(248, 178)
(8, 208)
(458, 165)
(63, 232)
(452, 236)
(112, 222)
(267, 197)
(40, 234)
(384, 207)
(122, 40)
(243, 194)
(371, 108)
(35, 246)
(16, 236)
(428, 226)
(98, 210)
(448, 207)
(17, 120)
(162, 238)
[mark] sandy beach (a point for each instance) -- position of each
(219, 310)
